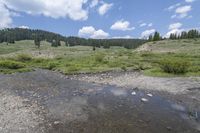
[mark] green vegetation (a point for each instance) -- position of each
(161, 58)
(9, 64)
(175, 66)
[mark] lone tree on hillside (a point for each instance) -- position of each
(156, 36)
(37, 41)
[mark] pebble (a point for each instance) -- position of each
(144, 100)
(133, 93)
(56, 122)
(150, 95)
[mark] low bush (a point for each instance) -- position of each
(99, 58)
(124, 68)
(175, 66)
(52, 65)
(23, 57)
(7, 64)
(73, 69)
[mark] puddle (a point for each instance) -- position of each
(79, 107)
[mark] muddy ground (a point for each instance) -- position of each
(120, 102)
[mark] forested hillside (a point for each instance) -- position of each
(17, 34)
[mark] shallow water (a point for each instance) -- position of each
(78, 107)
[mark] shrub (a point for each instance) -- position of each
(11, 64)
(23, 57)
(51, 65)
(99, 58)
(73, 69)
(124, 68)
(175, 66)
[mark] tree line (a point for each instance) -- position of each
(186, 35)
(11, 35)
(173, 36)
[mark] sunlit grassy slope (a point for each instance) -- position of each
(82, 59)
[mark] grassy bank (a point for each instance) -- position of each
(162, 58)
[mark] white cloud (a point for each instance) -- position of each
(189, 1)
(87, 30)
(5, 17)
(123, 37)
(24, 27)
(91, 32)
(146, 24)
(72, 9)
(122, 25)
(175, 26)
(150, 24)
(94, 3)
(143, 24)
(170, 8)
(173, 31)
(100, 34)
(103, 9)
(182, 11)
(147, 33)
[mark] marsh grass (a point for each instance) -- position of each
(81, 59)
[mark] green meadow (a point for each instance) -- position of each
(161, 58)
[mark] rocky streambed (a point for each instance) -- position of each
(48, 102)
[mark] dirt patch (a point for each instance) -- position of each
(17, 116)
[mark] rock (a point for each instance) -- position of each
(150, 95)
(144, 100)
(169, 128)
(56, 122)
(133, 93)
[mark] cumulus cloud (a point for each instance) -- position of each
(104, 8)
(123, 37)
(91, 32)
(173, 31)
(146, 24)
(94, 3)
(189, 1)
(5, 17)
(147, 33)
(24, 27)
(175, 26)
(150, 24)
(143, 24)
(122, 25)
(170, 8)
(183, 11)
(72, 9)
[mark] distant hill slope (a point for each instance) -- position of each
(18, 34)
(174, 46)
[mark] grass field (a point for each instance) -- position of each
(24, 56)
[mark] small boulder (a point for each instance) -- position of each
(150, 95)
(133, 93)
(144, 100)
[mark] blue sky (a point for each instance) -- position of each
(102, 18)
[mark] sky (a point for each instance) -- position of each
(102, 18)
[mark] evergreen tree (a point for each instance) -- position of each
(156, 36)
(150, 38)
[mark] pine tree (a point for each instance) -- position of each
(156, 36)
(150, 38)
